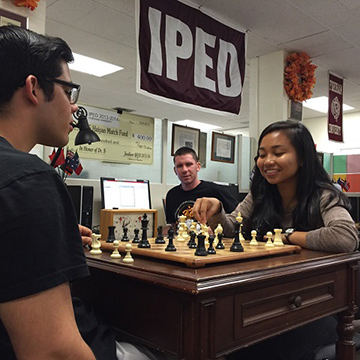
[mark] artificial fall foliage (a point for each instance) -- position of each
(31, 4)
(299, 76)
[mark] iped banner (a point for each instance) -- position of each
(189, 57)
(335, 113)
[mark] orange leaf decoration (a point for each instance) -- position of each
(299, 76)
(31, 4)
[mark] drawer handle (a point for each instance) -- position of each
(297, 301)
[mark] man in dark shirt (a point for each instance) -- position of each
(41, 245)
(180, 199)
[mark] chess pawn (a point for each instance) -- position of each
(95, 244)
(269, 242)
(115, 254)
(170, 246)
(220, 244)
(128, 258)
(136, 239)
(253, 241)
(111, 236)
(125, 234)
(192, 242)
(211, 250)
(159, 237)
(277, 238)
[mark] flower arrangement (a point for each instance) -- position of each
(31, 4)
(299, 76)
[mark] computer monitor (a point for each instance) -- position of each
(125, 194)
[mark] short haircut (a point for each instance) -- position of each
(184, 151)
(23, 53)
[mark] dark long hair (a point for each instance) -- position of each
(312, 180)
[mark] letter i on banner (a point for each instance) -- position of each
(335, 111)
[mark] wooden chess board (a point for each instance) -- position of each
(187, 256)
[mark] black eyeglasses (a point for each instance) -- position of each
(72, 93)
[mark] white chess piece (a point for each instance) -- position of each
(277, 237)
(253, 241)
(218, 230)
(128, 258)
(115, 254)
(205, 231)
(239, 219)
(269, 242)
(193, 226)
(95, 244)
(181, 232)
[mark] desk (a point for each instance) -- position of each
(205, 313)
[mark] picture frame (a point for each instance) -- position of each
(184, 136)
(9, 18)
(223, 148)
(295, 110)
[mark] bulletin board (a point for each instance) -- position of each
(125, 138)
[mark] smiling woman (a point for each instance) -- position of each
(291, 191)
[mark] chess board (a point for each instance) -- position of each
(187, 256)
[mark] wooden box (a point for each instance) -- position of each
(131, 218)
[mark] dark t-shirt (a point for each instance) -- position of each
(179, 200)
(39, 238)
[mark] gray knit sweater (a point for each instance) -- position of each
(336, 230)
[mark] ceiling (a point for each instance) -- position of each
(328, 30)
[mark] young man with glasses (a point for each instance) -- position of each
(41, 245)
(40, 241)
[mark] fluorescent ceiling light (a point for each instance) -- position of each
(197, 125)
(321, 104)
(92, 66)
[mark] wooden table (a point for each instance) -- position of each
(212, 311)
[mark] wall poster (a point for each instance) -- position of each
(125, 138)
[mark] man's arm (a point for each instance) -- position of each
(42, 326)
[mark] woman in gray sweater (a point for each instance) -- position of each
(290, 190)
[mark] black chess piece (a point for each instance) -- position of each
(201, 250)
(220, 244)
(144, 243)
(136, 239)
(171, 246)
(111, 236)
(211, 249)
(159, 237)
(192, 243)
(236, 245)
(125, 234)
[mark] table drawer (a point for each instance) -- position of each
(270, 309)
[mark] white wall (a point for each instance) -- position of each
(351, 135)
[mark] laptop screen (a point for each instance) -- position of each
(125, 194)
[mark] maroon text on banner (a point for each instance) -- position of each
(190, 57)
(335, 111)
